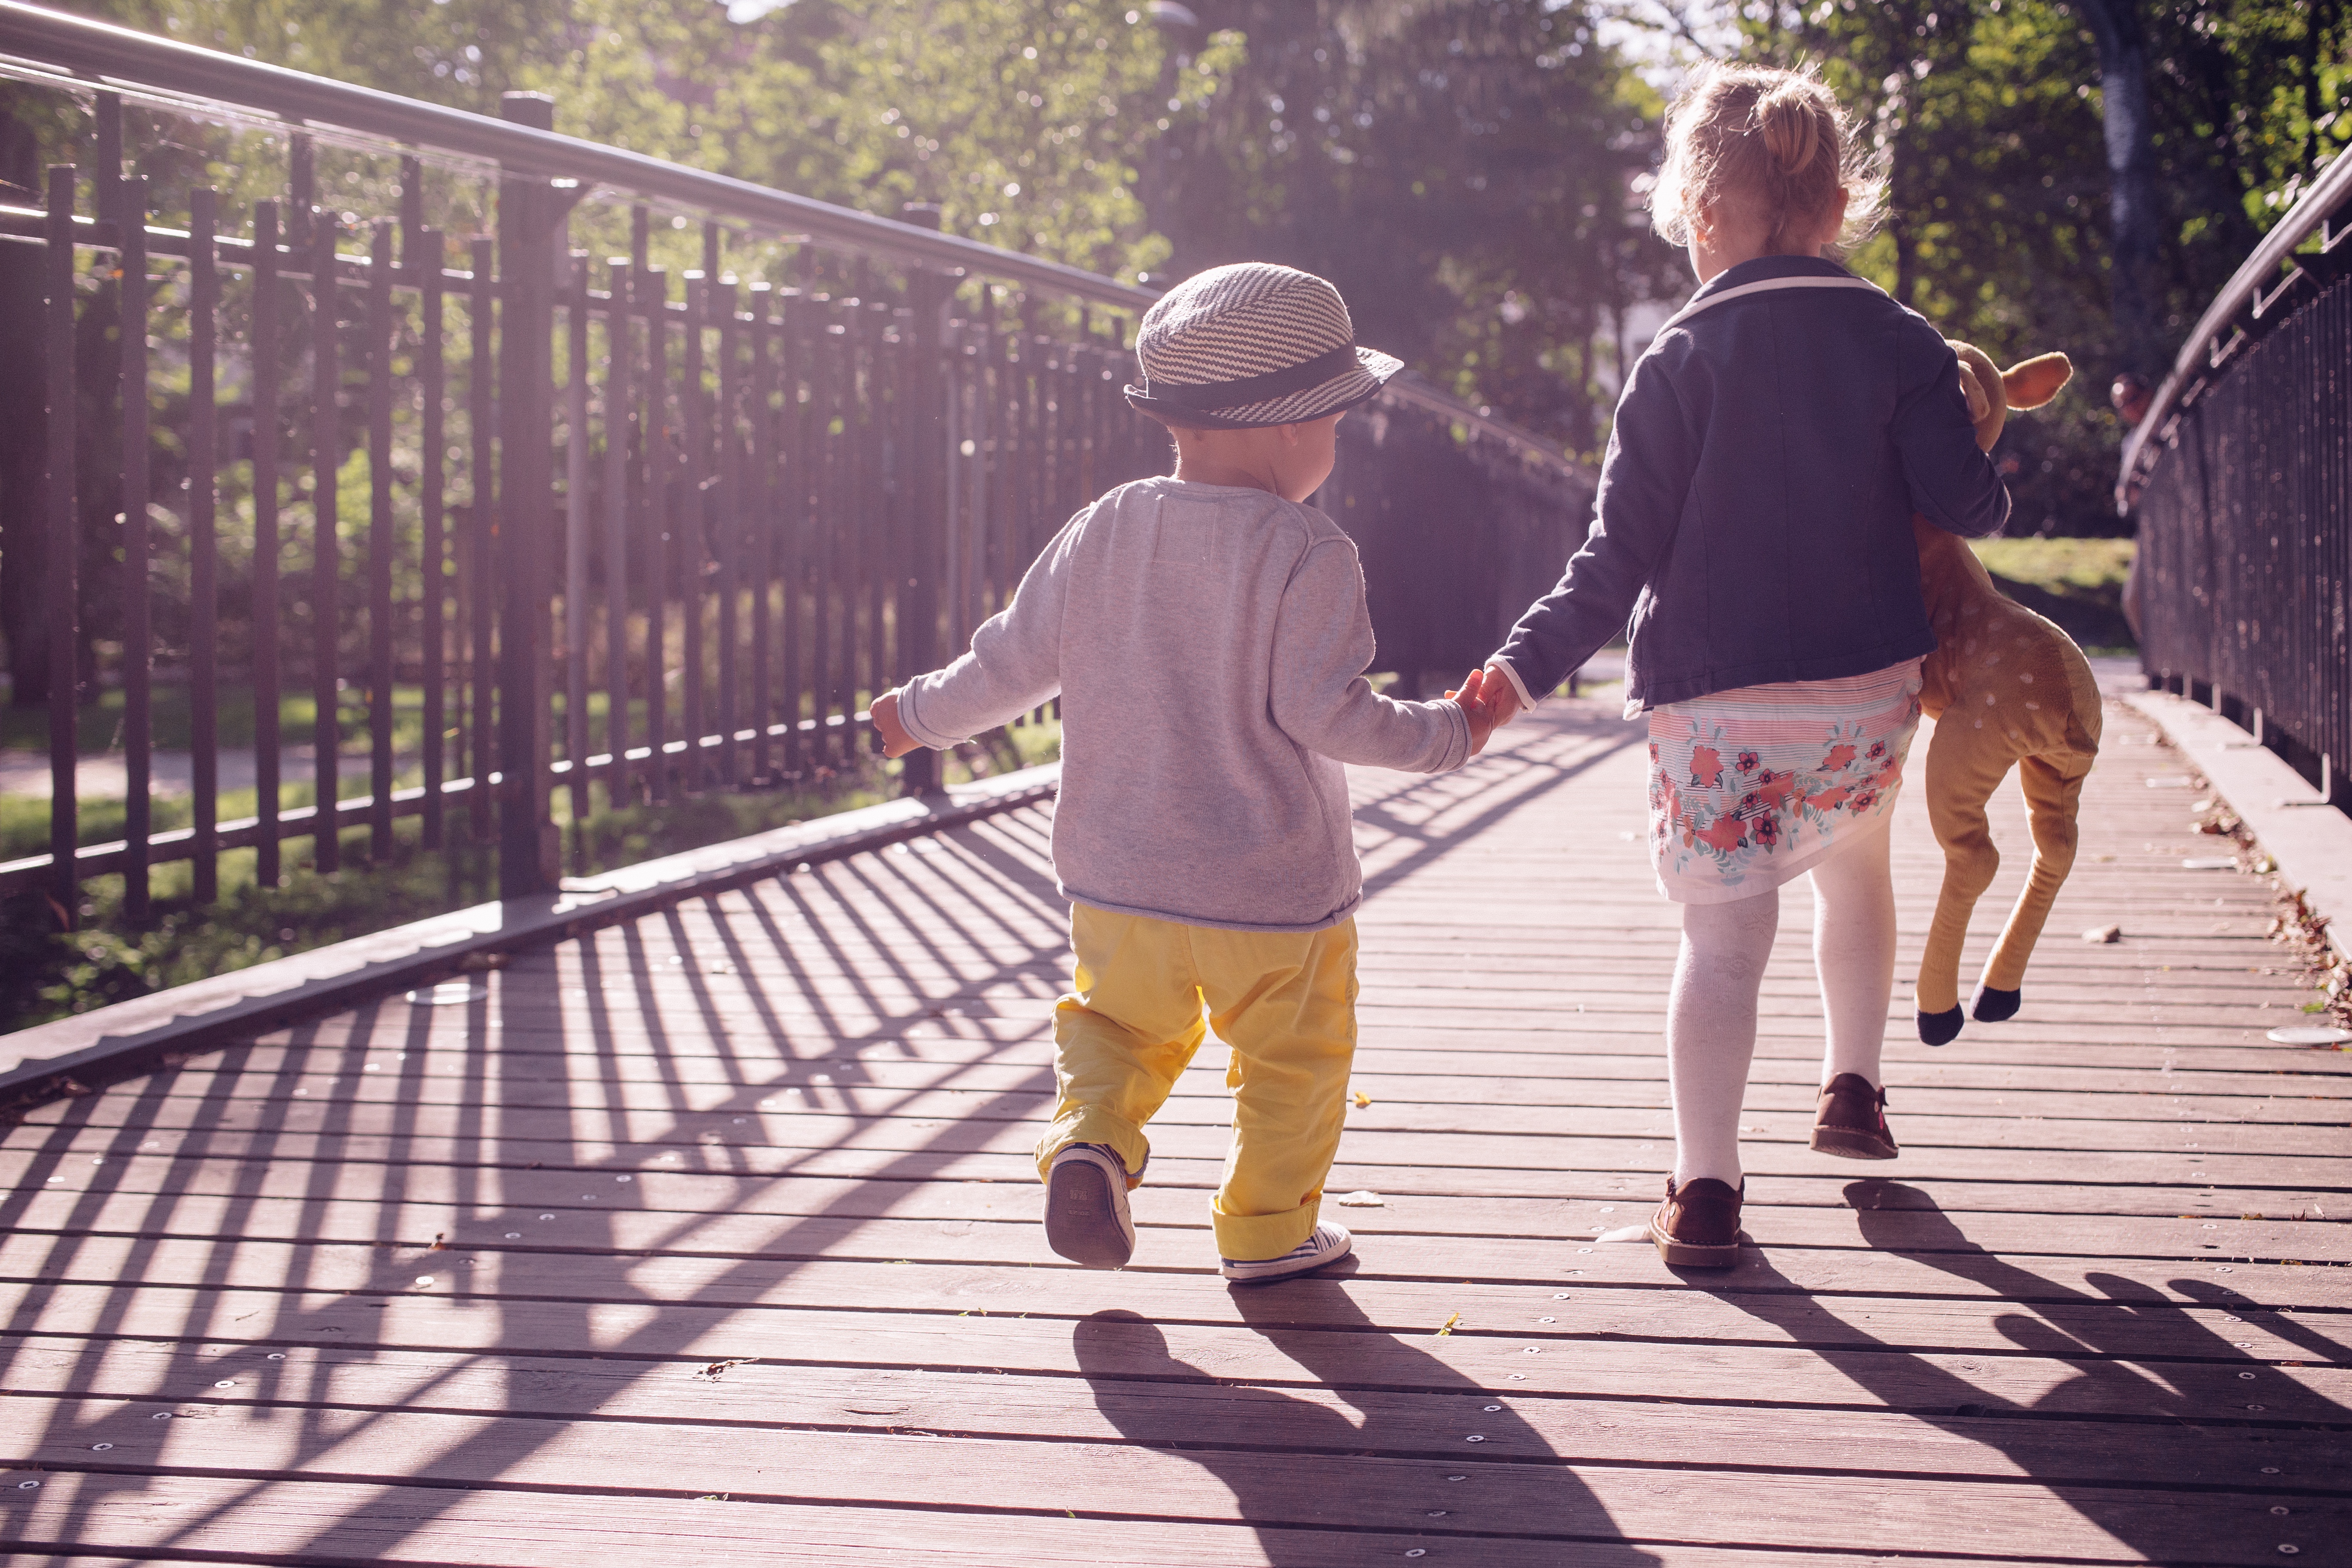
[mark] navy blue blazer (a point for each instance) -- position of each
(1754, 517)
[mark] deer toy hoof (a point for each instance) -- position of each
(1941, 1028)
(1997, 1006)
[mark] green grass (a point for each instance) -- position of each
(2077, 582)
(98, 726)
(2094, 566)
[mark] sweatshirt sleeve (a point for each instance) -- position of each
(1953, 482)
(1322, 645)
(1645, 479)
(1015, 664)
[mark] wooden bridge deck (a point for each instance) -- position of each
(711, 1238)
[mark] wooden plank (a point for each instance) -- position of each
(431, 1525)
(676, 1211)
(68, 1161)
(1541, 1501)
(574, 1258)
(357, 1110)
(1138, 1388)
(777, 1140)
(1938, 1087)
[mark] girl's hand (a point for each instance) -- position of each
(1501, 697)
(895, 742)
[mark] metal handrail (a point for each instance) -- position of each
(2260, 273)
(106, 54)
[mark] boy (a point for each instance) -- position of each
(1206, 633)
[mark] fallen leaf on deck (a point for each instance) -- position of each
(1449, 1325)
(1360, 1199)
(1362, 1099)
(2104, 934)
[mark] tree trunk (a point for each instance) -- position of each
(2129, 124)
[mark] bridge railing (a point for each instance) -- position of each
(2241, 479)
(574, 471)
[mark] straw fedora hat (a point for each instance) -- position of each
(1253, 344)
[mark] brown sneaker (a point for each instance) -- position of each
(1698, 1225)
(1851, 1121)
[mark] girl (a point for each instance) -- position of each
(1754, 518)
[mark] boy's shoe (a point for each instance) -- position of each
(1851, 1121)
(1329, 1244)
(1086, 1208)
(1698, 1225)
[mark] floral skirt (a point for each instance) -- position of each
(1751, 787)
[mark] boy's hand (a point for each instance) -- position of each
(883, 712)
(1472, 696)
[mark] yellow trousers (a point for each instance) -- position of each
(1285, 1002)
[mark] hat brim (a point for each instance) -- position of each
(1341, 392)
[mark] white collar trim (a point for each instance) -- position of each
(1766, 285)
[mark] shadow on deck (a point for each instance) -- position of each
(711, 1237)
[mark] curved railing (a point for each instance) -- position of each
(2241, 480)
(615, 531)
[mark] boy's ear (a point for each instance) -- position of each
(2036, 381)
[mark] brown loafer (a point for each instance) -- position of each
(1698, 1225)
(1851, 1121)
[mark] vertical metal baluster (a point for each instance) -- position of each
(693, 441)
(727, 518)
(856, 515)
(412, 216)
(326, 444)
(138, 640)
(995, 436)
(661, 506)
(422, 254)
(381, 528)
(531, 242)
(847, 525)
(1036, 469)
(874, 512)
(619, 345)
(577, 541)
(820, 517)
(267, 747)
(482, 522)
(924, 427)
(791, 516)
(203, 549)
(301, 190)
(757, 523)
(64, 544)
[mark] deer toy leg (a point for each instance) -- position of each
(1962, 773)
(2053, 789)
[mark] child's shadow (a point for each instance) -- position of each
(1373, 1452)
(2104, 1338)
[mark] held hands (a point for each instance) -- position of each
(1476, 704)
(890, 736)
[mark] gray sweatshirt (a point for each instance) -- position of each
(1209, 645)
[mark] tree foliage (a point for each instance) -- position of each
(1460, 168)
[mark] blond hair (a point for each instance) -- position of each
(1771, 146)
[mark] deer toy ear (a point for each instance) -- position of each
(2036, 381)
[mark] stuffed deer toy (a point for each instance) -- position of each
(2006, 687)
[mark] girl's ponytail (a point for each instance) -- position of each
(1772, 147)
(1786, 117)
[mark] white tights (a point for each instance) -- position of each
(1711, 1011)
